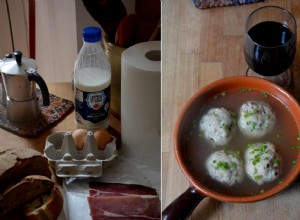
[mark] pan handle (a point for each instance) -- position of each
(183, 206)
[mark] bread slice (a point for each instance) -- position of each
(28, 189)
(17, 163)
(46, 207)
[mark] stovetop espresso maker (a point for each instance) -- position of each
(20, 77)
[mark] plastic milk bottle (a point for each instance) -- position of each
(92, 79)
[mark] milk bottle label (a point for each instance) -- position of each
(92, 107)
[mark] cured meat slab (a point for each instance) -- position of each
(123, 201)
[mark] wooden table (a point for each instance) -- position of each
(201, 46)
(63, 90)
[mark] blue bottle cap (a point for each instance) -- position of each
(91, 34)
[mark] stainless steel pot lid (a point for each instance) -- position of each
(17, 65)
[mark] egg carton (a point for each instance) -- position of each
(70, 162)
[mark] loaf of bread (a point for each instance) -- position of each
(46, 207)
(17, 163)
(20, 194)
(26, 188)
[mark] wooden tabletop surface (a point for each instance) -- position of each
(198, 47)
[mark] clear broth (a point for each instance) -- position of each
(284, 136)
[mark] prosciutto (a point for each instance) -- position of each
(123, 201)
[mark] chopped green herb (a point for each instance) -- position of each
(280, 181)
(278, 135)
(266, 95)
(294, 163)
(262, 191)
(258, 177)
(258, 152)
(202, 133)
(253, 125)
(215, 114)
(298, 137)
(296, 147)
(237, 153)
(214, 161)
(263, 147)
(255, 160)
(223, 126)
(249, 113)
(245, 90)
(233, 164)
(222, 165)
(220, 95)
(275, 163)
(251, 145)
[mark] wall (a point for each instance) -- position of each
(59, 25)
(56, 41)
(19, 27)
(83, 19)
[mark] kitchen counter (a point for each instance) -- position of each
(63, 90)
(199, 47)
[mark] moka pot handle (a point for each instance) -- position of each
(34, 76)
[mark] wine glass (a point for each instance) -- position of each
(270, 44)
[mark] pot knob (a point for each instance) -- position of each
(18, 56)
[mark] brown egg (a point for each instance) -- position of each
(79, 137)
(102, 138)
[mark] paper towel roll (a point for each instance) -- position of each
(141, 97)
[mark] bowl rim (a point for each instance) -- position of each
(236, 82)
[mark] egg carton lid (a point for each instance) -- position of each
(70, 162)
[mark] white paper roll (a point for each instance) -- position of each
(141, 101)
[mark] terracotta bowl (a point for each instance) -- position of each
(184, 204)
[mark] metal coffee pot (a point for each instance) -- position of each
(8, 57)
(20, 77)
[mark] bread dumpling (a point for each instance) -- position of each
(225, 167)
(256, 119)
(218, 125)
(262, 162)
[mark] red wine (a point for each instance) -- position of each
(273, 51)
